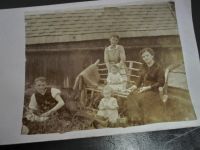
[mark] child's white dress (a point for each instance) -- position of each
(115, 81)
(108, 109)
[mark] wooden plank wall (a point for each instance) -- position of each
(58, 60)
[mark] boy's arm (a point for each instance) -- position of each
(55, 108)
(122, 55)
(30, 115)
(33, 104)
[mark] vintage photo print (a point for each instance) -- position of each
(106, 67)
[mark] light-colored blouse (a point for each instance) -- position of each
(114, 55)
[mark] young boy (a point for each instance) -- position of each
(44, 102)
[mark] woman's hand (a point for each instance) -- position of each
(143, 89)
(132, 88)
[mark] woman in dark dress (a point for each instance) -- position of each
(145, 104)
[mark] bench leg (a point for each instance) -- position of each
(83, 98)
(86, 96)
(90, 102)
(92, 95)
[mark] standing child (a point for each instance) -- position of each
(108, 107)
(115, 79)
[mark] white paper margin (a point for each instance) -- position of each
(12, 65)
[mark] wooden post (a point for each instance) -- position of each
(66, 82)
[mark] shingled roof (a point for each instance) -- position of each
(89, 24)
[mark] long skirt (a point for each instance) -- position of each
(145, 107)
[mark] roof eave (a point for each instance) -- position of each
(96, 36)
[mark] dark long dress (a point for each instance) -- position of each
(147, 106)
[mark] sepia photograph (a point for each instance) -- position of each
(105, 67)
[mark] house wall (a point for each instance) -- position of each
(58, 60)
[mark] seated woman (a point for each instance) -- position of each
(144, 104)
(115, 54)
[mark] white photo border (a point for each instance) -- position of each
(12, 64)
